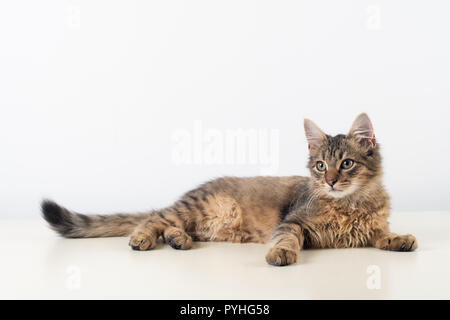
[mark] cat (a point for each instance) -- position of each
(342, 205)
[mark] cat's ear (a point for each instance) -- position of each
(314, 135)
(362, 130)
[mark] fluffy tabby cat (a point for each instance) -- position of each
(342, 205)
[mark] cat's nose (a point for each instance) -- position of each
(332, 181)
(331, 177)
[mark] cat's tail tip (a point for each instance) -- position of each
(59, 218)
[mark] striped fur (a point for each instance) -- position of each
(336, 207)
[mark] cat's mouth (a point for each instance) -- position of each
(340, 193)
(335, 191)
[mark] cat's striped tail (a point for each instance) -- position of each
(74, 225)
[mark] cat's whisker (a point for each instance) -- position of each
(313, 196)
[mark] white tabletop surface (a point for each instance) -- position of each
(37, 264)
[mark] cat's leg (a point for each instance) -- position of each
(202, 214)
(288, 238)
(395, 242)
(169, 223)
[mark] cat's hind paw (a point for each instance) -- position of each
(142, 241)
(177, 238)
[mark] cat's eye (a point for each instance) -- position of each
(321, 166)
(347, 164)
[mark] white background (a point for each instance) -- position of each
(91, 93)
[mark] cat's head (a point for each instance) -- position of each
(342, 165)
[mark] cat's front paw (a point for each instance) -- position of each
(281, 257)
(398, 243)
(142, 241)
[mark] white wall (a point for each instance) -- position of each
(94, 94)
